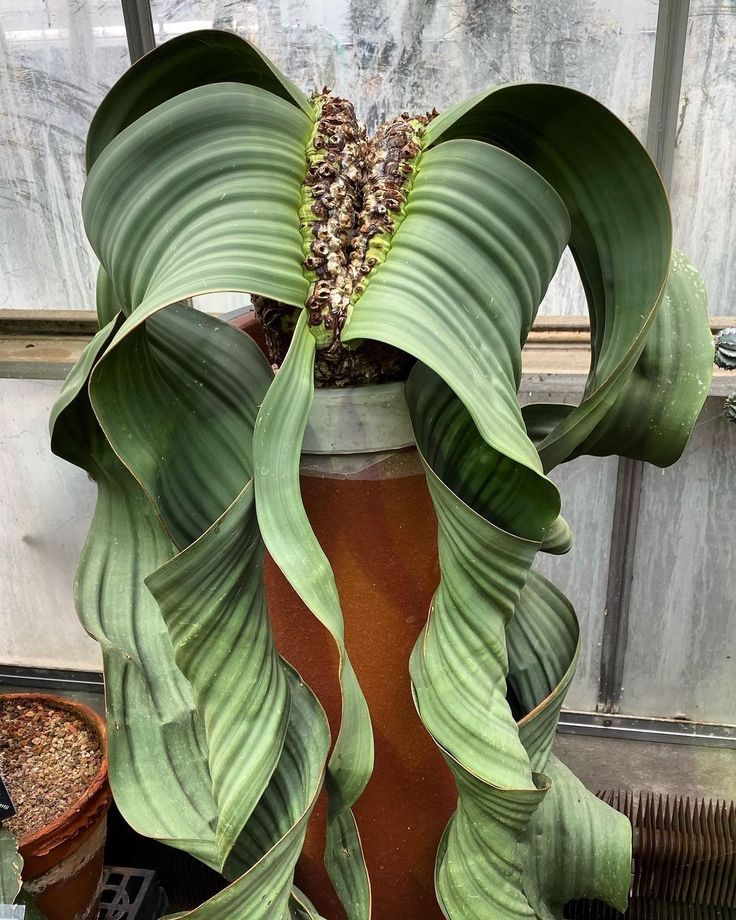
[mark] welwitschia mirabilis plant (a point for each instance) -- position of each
(435, 240)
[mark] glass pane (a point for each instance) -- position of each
(681, 653)
(703, 190)
(390, 55)
(58, 59)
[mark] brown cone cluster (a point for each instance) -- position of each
(354, 195)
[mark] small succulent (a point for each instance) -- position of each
(729, 407)
(725, 343)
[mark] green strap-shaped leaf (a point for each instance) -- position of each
(219, 175)
(657, 405)
(107, 303)
(279, 823)
(11, 866)
(151, 784)
(178, 398)
(463, 279)
(202, 194)
(659, 402)
(558, 539)
(183, 63)
(212, 600)
(575, 845)
(302, 908)
(543, 641)
(621, 235)
(484, 567)
(156, 746)
(459, 664)
(291, 542)
(480, 860)
(491, 617)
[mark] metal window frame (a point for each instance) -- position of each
(664, 105)
(139, 31)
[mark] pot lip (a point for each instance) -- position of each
(364, 420)
(359, 420)
(99, 782)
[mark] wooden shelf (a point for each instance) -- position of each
(45, 345)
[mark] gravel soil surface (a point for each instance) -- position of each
(48, 758)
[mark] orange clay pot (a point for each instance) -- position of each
(374, 519)
(62, 862)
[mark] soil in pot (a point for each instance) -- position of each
(52, 758)
(48, 759)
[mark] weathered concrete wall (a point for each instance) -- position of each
(703, 187)
(45, 511)
(681, 658)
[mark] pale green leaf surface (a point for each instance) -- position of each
(302, 908)
(290, 540)
(460, 662)
(174, 412)
(279, 823)
(558, 539)
(178, 398)
(144, 758)
(156, 746)
(464, 277)
(654, 409)
(493, 620)
(212, 601)
(107, 303)
(621, 234)
(480, 861)
(201, 194)
(658, 404)
(576, 847)
(185, 62)
(543, 641)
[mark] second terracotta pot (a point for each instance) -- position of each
(62, 861)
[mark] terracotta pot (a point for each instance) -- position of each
(62, 862)
(367, 499)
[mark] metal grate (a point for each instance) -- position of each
(684, 859)
(640, 909)
(131, 894)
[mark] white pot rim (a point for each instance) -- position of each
(359, 420)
